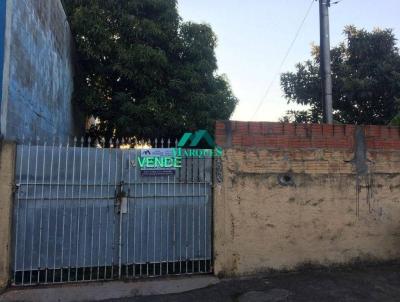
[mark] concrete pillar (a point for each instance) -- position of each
(7, 165)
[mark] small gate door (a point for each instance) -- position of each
(165, 227)
(86, 214)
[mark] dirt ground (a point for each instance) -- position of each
(372, 283)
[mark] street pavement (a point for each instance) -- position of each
(348, 284)
(380, 283)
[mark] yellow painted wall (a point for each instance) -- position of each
(7, 160)
(260, 224)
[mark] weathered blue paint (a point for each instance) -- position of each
(168, 222)
(40, 84)
(2, 34)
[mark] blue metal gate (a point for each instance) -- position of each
(90, 213)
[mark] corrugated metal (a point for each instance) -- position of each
(69, 225)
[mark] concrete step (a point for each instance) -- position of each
(100, 291)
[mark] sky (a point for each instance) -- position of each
(254, 35)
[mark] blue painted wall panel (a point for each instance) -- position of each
(2, 34)
(40, 72)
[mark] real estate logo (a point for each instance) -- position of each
(195, 138)
(192, 140)
(158, 162)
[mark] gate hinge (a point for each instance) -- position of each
(16, 188)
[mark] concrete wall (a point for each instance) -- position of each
(7, 161)
(290, 195)
(38, 71)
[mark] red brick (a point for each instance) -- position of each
(350, 129)
(328, 129)
(220, 139)
(300, 143)
(255, 128)
(384, 132)
(383, 144)
(285, 135)
(394, 132)
(232, 124)
(301, 130)
(289, 129)
(220, 125)
(220, 131)
(316, 129)
(236, 139)
(339, 130)
(273, 128)
(247, 141)
(242, 127)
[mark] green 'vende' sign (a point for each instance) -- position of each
(158, 162)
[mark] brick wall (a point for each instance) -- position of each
(281, 135)
(286, 195)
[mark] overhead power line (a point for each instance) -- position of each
(284, 59)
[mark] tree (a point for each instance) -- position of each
(143, 72)
(366, 80)
(396, 121)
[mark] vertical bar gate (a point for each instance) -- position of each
(87, 214)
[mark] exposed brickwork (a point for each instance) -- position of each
(281, 135)
(289, 195)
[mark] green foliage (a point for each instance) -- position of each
(366, 80)
(143, 72)
(396, 121)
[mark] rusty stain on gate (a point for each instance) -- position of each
(84, 213)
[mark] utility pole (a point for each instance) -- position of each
(325, 50)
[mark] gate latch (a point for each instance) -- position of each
(121, 200)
